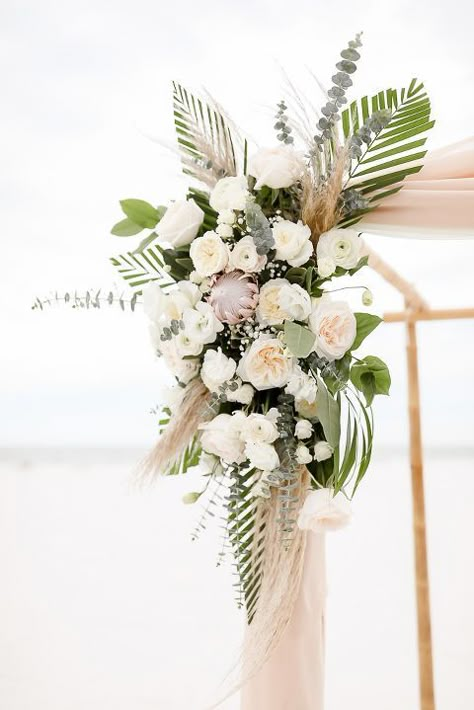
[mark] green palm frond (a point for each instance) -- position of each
(139, 268)
(247, 539)
(397, 148)
(352, 456)
(205, 138)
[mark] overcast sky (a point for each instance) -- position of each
(86, 88)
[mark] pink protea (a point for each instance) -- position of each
(234, 296)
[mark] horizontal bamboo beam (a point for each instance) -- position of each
(428, 314)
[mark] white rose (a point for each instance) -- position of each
(216, 369)
(201, 324)
(257, 428)
(266, 364)
(209, 254)
(323, 451)
(292, 242)
(323, 511)
(303, 429)
(221, 436)
(276, 167)
(262, 456)
(243, 394)
(180, 223)
(301, 385)
(269, 310)
(342, 246)
(295, 302)
(334, 326)
(303, 454)
(326, 267)
(244, 256)
(230, 193)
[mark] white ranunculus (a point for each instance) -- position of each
(292, 242)
(159, 306)
(230, 193)
(262, 456)
(244, 256)
(323, 511)
(209, 254)
(342, 246)
(243, 394)
(326, 267)
(323, 451)
(221, 436)
(257, 428)
(269, 310)
(303, 454)
(303, 429)
(266, 363)
(295, 302)
(180, 223)
(301, 385)
(216, 369)
(334, 326)
(276, 167)
(201, 324)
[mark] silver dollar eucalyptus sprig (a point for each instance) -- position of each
(336, 94)
(259, 227)
(282, 126)
(368, 131)
(90, 299)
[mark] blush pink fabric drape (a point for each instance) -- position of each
(293, 678)
(436, 203)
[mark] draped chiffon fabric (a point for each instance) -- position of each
(436, 203)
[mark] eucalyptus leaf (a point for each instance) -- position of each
(300, 340)
(328, 412)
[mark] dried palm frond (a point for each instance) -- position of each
(205, 137)
(192, 410)
(320, 204)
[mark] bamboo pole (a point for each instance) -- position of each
(425, 656)
(431, 314)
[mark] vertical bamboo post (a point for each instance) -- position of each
(425, 655)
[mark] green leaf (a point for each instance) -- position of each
(371, 376)
(328, 412)
(141, 212)
(299, 339)
(126, 228)
(366, 323)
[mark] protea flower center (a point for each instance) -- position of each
(234, 296)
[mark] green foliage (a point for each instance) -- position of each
(247, 541)
(371, 376)
(201, 198)
(392, 154)
(300, 340)
(141, 213)
(366, 323)
(126, 228)
(329, 414)
(352, 457)
(139, 269)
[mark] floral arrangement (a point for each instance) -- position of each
(239, 284)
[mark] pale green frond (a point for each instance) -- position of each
(138, 269)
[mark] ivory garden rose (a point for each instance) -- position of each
(209, 254)
(180, 223)
(334, 326)
(266, 364)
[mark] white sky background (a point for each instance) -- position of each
(86, 84)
